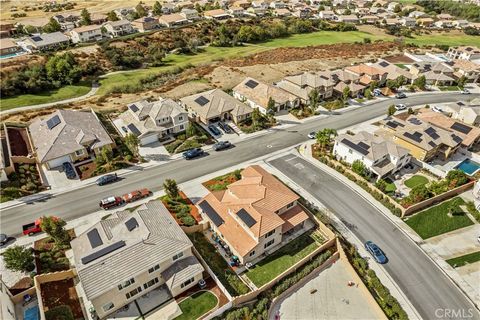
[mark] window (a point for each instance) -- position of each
(290, 205)
(126, 284)
(180, 118)
(177, 256)
(133, 292)
(150, 283)
(350, 151)
(154, 268)
(251, 253)
(79, 152)
(108, 306)
(269, 233)
(182, 127)
(268, 244)
(186, 283)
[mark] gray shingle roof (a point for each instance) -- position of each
(156, 238)
(47, 39)
(181, 271)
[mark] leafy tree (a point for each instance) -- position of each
(381, 185)
(367, 40)
(171, 189)
(410, 111)
(55, 228)
(86, 18)
(18, 258)
(391, 110)
(141, 12)
(157, 8)
(359, 168)
(52, 26)
(391, 84)
(401, 80)
(271, 108)
(63, 68)
(325, 136)
(191, 130)
(419, 193)
(314, 99)
(461, 81)
(346, 93)
(420, 82)
(112, 16)
(256, 118)
(373, 85)
(456, 178)
(397, 8)
(132, 142)
(368, 94)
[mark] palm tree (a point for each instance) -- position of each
(325, 136)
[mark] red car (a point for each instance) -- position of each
(32, 228)
(110, 202)
(136, 195)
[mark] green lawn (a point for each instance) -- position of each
(435, 220)
(415, 181)
(283, 258)
(66, 92)
(463, 260)
(196, 305)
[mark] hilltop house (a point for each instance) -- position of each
(86, 33)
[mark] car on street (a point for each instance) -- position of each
(376, 253)
(400, 106)
(465, 91)
(214, 130)
(106, 179)
(400, 95)
(377, 92)
(225, 127)
(312, 135)
(136, 195)
(221, 145)
(110, 202)
(3, 239)
(30, 229)
(193, 153)
(69, 171)
(436, 109)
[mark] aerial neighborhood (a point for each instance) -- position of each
(240, 160)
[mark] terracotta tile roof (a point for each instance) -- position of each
(293, 218)
(262, 92)
(364, 69)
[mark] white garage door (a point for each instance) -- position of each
(58, 162)
(149, 139)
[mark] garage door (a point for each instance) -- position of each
(58, 162)
(149, 139)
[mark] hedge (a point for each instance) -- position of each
(60, 313)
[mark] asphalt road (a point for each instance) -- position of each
(428, 289)
(79, 202)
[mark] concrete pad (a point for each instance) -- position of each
(167, 312)
(334, 299)
(56, 178)
(456, 243)
(155, 152)
(471, 274)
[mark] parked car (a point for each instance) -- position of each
(465, 91)
(214, 130)
(377, 92)
(225, 127)
(400, 95)
(436, 109)
(3, 239)
(193, 153)
(69, 171)
(400, 106)
(312, 135)
(110, 202)
(375, 251)
(221, 145)
(136, 195)
(106, 179)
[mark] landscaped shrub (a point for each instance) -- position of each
(188, 221)
(59, 313)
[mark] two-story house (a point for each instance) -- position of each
(464, 53)
(367, 74)
(190, 14)
(255, 214)
(303, 84)
(86, 34)
(381, 157)
(145, 24)
(68, 136)
(129, 254)
(435, 73)
(119, 28)
(151, 121)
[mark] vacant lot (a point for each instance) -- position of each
(463, 260)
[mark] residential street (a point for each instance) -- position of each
(427, 288)
(81, 201)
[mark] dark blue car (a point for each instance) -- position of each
(193, 153)
(106, 179)
(69, 170)
(214, 130)
(375, 252)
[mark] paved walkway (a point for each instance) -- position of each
(92, 92)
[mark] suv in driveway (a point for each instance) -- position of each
(69, 170)
(214, 130)
(193, 153)
(375, 251)
(225, 127)
(106, 179)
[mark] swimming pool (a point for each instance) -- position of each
(31, 313)
(469, 167)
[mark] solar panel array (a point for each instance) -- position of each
(251, 84)
(94, 238)
(37, 38)
(246, 218)
(384, 64)
(460, 127)
(202, 100)
(432, 133)
(456, 138)
(363, 145)
(133, 107)
(416, 136)
(102, 252)
(133, 129)
(211, 213)
(131, 224)
(53, 122)
(355, 147)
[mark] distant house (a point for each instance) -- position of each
(98, 18)
(217, 14)
(255, 215)
(8, 47)
(417, 14)
(68, 136)
(326, 15)
(190, 14)
(425, 22)
(282, 12)
(469, 114)
(443, 24)
(468, 69)
(67, 22)
(145, 24)
(86, 34)
(408, 22)
(277, 5)
(381, 157)
(348, 19)
(130, 254)
(242, 4)
(151, 121)
(119, 28)
(216, 105)
(444, 16)
(370, 19)
(436, 73)
(236, 11)
(464, 53)
(257, 94)
(168, 8)
(393, 71)
(47, 41)
(303, 84)
(367, 74)
(170, 20)
(6, 29)
(123, 13)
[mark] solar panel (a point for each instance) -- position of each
(53, 122)
(460, 127)
(363, 145)
(133, 129)
(202, 101)
(456, 138)
(104, 251)
(246, 218)
(94, 238)
(432, 133)
(355, 147)
(211, 213)
(133, 107)
(384, 64)
(251, 84)
(433, 144)
(37, 38)
(415, 137)
(131, 224)
(392, 124)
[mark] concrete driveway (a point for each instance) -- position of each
(456, 243)
(57, 179)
